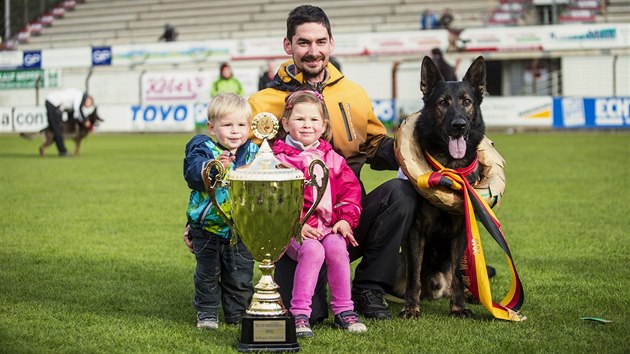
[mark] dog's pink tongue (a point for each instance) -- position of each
(457, 147)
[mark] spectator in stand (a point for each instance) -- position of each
(447, 71)
(266, 77)
(226, 83)
(446, 18)
(428, 20)
(170, 34)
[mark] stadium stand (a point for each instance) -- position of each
(106, 22)
(72, 23)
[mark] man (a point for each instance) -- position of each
(170, 34)
(447, 71)
(361, 138)
(69, 100)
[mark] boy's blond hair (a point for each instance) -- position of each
(227, 103)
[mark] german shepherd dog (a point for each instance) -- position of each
(73, 129)
(450, 128)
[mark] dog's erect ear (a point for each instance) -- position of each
(429, 76)
(94, 117)
(476, 75)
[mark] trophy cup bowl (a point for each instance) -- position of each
(266, 200)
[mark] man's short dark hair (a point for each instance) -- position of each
(306, 14)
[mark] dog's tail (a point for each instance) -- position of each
(28, 136)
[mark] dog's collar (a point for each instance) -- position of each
(464, 171)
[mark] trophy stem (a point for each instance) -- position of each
(266, 300)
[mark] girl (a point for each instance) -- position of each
(328, 231)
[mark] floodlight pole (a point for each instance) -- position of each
(7, 20)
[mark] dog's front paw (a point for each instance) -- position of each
(410, 313)
(461, 313)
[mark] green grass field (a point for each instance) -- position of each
(92, 258)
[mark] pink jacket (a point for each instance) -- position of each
(342, 198)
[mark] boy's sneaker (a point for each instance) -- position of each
(303, 326)
(207, 321)
(349, 320)
(370, 303)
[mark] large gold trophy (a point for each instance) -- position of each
(266, 201)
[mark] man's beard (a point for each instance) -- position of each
(309, 72)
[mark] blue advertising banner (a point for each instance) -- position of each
(32, 59)
(101, 56)
(585, 112)
(384, 110)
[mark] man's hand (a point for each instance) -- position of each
(87, 124)
(187, 240)
(343, 228)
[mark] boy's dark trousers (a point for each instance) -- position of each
(223, 275)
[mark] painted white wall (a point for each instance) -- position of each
(592, 76)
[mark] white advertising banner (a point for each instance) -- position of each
(404, 43)
(78, 57)
(23, 119)
(591, 36)
(259, 48)
(534, 111)
(173, 52)
(6, 119)
(531, 111)
(545, 38)
(11, 59)
(192, 86)
(116, 119)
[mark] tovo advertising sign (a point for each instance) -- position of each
(163, 117)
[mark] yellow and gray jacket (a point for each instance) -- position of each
(358, 135)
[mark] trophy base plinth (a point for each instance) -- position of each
(268, 334)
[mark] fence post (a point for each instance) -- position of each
(37, 81)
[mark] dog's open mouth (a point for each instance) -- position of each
(457, 146)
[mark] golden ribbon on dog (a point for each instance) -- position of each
(473, 262)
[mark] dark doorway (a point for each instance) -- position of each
(494, 75)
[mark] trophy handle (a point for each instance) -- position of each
(321, 188)
(211, 188)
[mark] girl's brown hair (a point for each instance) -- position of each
(306, 95)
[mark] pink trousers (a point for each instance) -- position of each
(310, 256)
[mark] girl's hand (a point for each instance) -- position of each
(310, 232)
(226, 158)
(343, 228)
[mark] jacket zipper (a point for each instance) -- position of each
(345, 121)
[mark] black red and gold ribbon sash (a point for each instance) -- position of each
(473, 263)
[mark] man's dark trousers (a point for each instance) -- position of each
(55, 123)
(388, 213)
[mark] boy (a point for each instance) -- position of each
(223, 273)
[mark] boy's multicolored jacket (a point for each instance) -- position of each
(201, 213)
